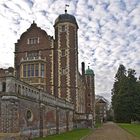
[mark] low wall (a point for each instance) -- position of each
(27, 112)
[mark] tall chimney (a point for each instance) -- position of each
(83, 68)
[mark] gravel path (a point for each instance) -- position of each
(110, 131)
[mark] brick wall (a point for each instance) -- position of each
(25, 111)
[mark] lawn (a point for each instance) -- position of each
(76, 134)
(132, 128)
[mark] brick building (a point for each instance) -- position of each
(48, 67)
(101, 105)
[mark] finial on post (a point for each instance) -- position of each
(66, 5)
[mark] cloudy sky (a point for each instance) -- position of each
(109, 32)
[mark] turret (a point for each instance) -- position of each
(66, 56)
(89, 71)
(90, 97)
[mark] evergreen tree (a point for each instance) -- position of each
(117, 87)
(126, 96)
(137, 102)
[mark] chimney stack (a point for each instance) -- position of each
(83, 68)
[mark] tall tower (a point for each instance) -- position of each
(66, 57)
(90, 97)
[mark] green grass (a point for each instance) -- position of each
(76, 134)
(132, 128)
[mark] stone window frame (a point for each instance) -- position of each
(42, 70)
(30, 119)
(30, 70)
(33, 40)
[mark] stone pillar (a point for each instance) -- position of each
(67, 120)
(42, 108)
(9, 114)
(10, 84)
(57, 120)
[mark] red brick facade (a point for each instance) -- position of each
(35, 50)
(35, 56)
(59, 59)
(49, 93)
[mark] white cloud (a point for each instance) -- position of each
(109, 32)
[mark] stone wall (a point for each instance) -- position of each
(27, 112)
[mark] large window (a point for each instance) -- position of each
(32, 70)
